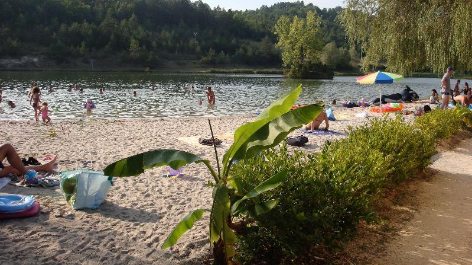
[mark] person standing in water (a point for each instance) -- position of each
(446, 88)
(35, 98)
(210, 96)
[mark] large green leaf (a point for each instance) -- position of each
(259, 208)
(218, 222)
(271, 183)
(135, 165)
(269, 133)
(237, 184)
(243, 133)
(184, 225)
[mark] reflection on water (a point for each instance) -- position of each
(173, 96)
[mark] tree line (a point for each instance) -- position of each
(147, 32)
(409, 36)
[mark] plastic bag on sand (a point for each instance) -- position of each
(330, 114)
(84, 188)
(362, 115)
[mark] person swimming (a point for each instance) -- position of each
(11, 104)
(89, 105)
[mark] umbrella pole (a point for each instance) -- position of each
(380, 101)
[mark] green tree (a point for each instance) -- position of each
(329, 55)
(134, 49)
(411, 35)
(298, 40)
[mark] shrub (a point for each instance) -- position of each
(439, 124)
(326, 195)
(321, 202)
(405, 148)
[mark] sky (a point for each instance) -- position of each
(254, 4)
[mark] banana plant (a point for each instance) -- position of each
(268, 130)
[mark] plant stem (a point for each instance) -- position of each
(216, 152)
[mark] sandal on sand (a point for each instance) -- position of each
(32, 161)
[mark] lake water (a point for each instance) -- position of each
(235, 94)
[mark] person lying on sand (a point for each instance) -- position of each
(16, 165)
(315, 124)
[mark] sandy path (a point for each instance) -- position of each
(441, 230)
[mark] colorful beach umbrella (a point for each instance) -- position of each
(379, 78)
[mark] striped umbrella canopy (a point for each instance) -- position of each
(379, 78)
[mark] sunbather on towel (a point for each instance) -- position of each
(315, 124)
(16, 165)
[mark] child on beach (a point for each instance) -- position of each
(44, 112)
(35, 98)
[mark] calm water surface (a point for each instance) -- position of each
(235, 94)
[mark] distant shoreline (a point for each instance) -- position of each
(183, 70)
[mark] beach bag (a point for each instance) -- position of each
(330, 114)
(84, 188)
(297, 141)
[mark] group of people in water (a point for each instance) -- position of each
(41, 108)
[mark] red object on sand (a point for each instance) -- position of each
(33, 211)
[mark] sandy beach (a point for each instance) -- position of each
(139, 212)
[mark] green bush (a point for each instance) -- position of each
(405, 148)
(439, 124)
(327, 194)
(321, 202)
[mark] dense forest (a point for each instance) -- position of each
(148, 32)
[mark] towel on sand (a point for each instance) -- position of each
(322, 132)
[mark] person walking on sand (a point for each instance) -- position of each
(210, 96)
(446, 88)
(35, 98)
(45, 113)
